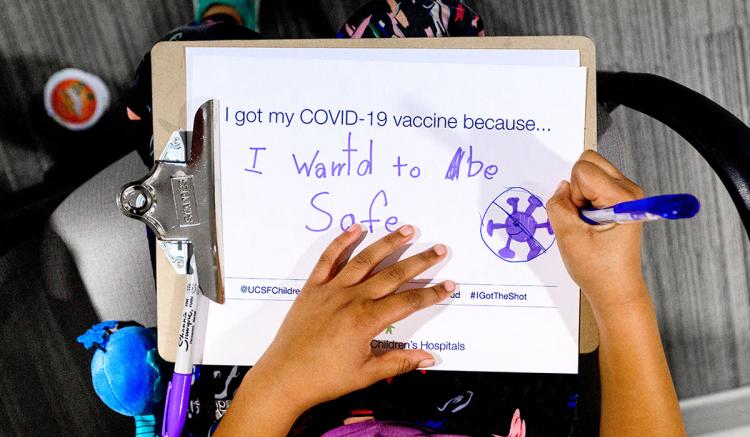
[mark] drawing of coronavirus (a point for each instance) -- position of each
(515, 226)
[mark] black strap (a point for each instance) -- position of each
(721, 138)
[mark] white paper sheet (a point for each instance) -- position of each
(516, 309)
(538, 57)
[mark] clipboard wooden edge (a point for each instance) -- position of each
(168, 81)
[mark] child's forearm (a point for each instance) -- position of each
(638, 397)
(258, 409)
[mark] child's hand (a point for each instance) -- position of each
(322, 349)
(605, 261)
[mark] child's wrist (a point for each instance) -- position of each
(268, 398)
(616, 321)
(619, 296)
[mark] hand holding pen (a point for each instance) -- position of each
(602, 258)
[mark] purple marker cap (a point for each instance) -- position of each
(175, 409)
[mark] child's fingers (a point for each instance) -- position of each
(397, 362)
(132, 115)
(326, 266)
(362, 264)
(562, 213)
(398, 306)
(602, 162)
(590, 183)
(389, 279)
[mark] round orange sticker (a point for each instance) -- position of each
(73, 101)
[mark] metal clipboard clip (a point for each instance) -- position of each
(177, 200)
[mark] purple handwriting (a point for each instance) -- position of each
(357, 161)
(474, 167)
(320, 170)
(348, 219)
(253, 168)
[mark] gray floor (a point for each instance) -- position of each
(699, 270)
(45, 385)
(39, 37)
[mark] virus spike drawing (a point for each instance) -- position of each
(520, 226)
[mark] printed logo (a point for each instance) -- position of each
(183, 192)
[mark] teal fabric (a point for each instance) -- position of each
(145, 426)
(248, 10)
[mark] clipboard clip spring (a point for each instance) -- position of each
(178, 202)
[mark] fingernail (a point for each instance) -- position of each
(440, 249)
(406, 230)
(353, 227)
(427, 362)
(559, 186)
(449, 286)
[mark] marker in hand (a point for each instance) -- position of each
(667, 206)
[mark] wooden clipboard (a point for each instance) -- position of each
(169, 114)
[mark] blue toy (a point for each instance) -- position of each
(126, 371)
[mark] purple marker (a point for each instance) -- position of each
(666, 206)
(178, 390)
